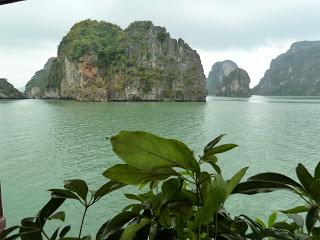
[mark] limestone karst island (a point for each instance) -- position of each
(99, 61)
(159, 120)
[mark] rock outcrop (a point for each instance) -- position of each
(98, 61)
(7, 91)
(218, 72)
(294, 73)
(226, 79)
(235, 84)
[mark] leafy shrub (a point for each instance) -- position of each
(183, 201)
(104, 39)
(161, 36)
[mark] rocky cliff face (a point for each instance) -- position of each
(235, 84)
(226, 79)
(7, 91)
(98, 61)
(218, 72)
(296, 72)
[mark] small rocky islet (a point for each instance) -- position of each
(228, 80)
(7, 90)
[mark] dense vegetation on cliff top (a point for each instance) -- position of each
(105, 39)
(182, 197)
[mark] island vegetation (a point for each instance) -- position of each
(182, 197)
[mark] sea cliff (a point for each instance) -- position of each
(294, 73)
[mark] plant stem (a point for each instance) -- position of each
(82, 221)
(197, 191)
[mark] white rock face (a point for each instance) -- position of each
(218, 72)
(235, 84)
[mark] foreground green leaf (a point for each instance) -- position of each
(254, 187)
(304, 177)
(213, 203)
(275, 177)
(130, 232)
(298, 209)
(235, 180)
(130, 175)
(80, 187)
(146, 151)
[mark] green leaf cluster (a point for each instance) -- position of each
(182, 197)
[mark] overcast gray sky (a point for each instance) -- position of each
(249, 32)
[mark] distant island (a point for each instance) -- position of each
(294, 73)
(99, 61)
(7, 90)
(228, 80)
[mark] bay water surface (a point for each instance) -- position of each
(43, 142)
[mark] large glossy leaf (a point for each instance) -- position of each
(80, 187)
(147, 151)
(255, 227)
(63, 193)
(75, 238)
(210, 158)
(106, 189)
(272, 219)
(221, 149)
(170, 188)
(254, 187)
(13, 237)
(64, 231)
(58, 216)
(180, 224)
(213, 202)
(235, 180)
(214, 142)
(275, 177)
(316, 232)
(130, 175)
(8, 231)
(292, 227)
(315, 190)
(205, 185)
(130, 232)
(304, 177)
(30, 230)
(279, 234)
(55, 234)
(52, 205)
(115, 224)
(297, 219)
(298, 209)
(317, 171)
(311, 218)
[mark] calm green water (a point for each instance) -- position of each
(43, 142)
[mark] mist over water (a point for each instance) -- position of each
(43, 142)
